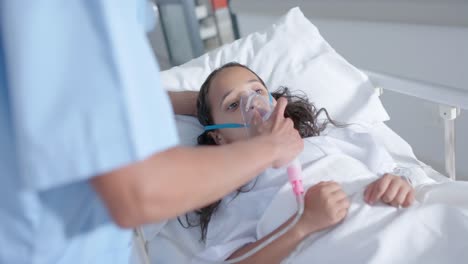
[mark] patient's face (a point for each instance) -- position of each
(225, 92)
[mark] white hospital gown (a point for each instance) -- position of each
(235, 222)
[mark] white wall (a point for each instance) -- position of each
(434, 53)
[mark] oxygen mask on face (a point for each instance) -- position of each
(251, 104)
(255, 108)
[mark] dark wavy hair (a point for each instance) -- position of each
(303, 113)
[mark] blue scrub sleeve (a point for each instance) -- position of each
(84, 89)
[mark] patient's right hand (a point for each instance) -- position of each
(325, 205)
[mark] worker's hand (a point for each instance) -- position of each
(281, 134)
(390, 189)
(326, 204)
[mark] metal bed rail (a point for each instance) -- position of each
(449, 99)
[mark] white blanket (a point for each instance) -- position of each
(353, 156)
(433, 230)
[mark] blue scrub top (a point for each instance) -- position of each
(79, 96)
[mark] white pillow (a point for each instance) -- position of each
(291, 53)
(188, 129)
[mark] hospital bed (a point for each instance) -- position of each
(170, 242)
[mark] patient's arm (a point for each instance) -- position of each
(325, 205)
(184, 103)
(276, 251)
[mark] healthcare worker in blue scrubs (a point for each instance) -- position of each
(88, 145)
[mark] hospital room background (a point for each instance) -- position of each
(413, 52)
(418, 40)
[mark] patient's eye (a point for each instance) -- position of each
(233, 106)
(259, 91)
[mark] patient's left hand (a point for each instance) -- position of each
(391, 189)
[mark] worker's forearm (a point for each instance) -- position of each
(189, 178)
(277, 250)
(181, 179)
(184, 103)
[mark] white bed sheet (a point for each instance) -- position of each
(402, 152)
(175, 244)
(432, 230)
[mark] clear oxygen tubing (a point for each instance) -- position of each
(295, 179)
(256, 103)
(250, 104)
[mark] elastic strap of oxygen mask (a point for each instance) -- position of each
(221, 126)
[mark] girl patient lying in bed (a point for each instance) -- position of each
(230, 227)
